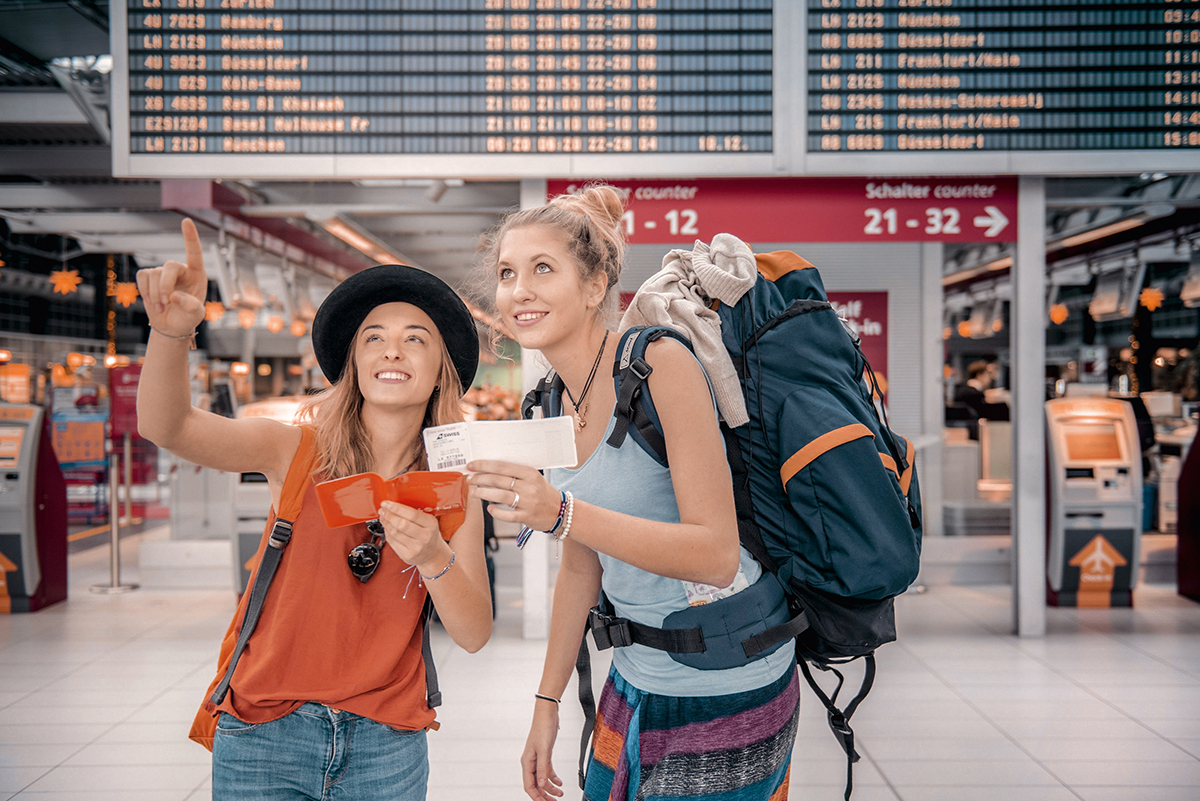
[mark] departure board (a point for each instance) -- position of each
(339, 89)
(977, 75)
(444, 77)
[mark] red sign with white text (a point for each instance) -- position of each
(122, 388)
(817, 209)
(868, 313)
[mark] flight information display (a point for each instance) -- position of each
(367, 77)
(328, 89)
(977, 75)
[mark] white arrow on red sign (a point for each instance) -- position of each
(995, 221)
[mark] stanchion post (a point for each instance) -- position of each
(114, 531)
(128, 475)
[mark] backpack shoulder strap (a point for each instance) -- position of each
(290, 500)
(634, 410)
(545, 395)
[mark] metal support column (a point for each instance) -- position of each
(1028, 343)
(535, 557)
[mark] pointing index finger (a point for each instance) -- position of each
(191, 245)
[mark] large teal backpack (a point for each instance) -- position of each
(827, 496)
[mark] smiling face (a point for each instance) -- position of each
(540, 293)
(397, 356)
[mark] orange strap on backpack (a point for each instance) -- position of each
(275, 538)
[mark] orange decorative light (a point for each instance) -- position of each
(1151, 297)
(126, 293)
(1059, 313)
(246, 318)
(964, 329)
(123, 361)
(274, 323)
(214, 310)
(298, 328)
(110, 362)
(264, 369)
(89, 360)
(65, 281)
(997, 325)
(5, 356)
(295, 369)
(239, 368)
(946, 332)
(74, 360)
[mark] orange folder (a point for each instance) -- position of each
(356, 499)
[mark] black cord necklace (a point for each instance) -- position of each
(587, 385)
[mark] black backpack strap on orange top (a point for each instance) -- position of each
(433, 696)
(281, 534)
(290, 501)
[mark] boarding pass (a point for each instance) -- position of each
(540, 444)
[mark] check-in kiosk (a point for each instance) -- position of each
(1095, 502)
(33, 513)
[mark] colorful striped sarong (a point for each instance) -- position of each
(735, 747)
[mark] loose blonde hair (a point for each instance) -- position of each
(343, 445)
(590, 219)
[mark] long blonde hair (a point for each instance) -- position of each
(343, 445)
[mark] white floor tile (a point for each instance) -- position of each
(114, 778)
(1129, 774)
(1109, 750)
(994, 793)
(171, 752)
(1184, 793)
(1015, 773)
(36, 755)
(969, 749)
(14, 778)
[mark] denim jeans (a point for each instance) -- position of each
(318, 753)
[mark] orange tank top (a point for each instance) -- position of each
(324, 636)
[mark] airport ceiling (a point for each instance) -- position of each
(56, 178)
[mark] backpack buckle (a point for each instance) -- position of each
(281, 533)
(609, 631)
(640, 368)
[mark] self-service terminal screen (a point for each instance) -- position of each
(1094, 442)
(11, 438)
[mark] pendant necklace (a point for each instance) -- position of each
(587, 385)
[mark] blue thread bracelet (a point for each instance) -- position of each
(527, 532)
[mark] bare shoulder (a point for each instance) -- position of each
(675, 368)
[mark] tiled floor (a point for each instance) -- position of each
(96, 696)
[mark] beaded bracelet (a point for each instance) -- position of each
(570, 504)
(566, 530)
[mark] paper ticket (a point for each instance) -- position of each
(540, 444)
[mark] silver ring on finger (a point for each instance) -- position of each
(512, 483)
(516, 499)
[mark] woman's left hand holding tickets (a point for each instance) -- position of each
(414, 536)
(515, 493)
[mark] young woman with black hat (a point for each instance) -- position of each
(329, 694)
(653, 538)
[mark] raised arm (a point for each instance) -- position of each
(174, 298)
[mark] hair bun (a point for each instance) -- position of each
(600, 202)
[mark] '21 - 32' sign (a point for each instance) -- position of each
(817, 209)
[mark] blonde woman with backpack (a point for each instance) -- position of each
(656, 540)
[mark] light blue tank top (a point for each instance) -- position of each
(628, 480)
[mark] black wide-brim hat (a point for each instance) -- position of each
(350, 302)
